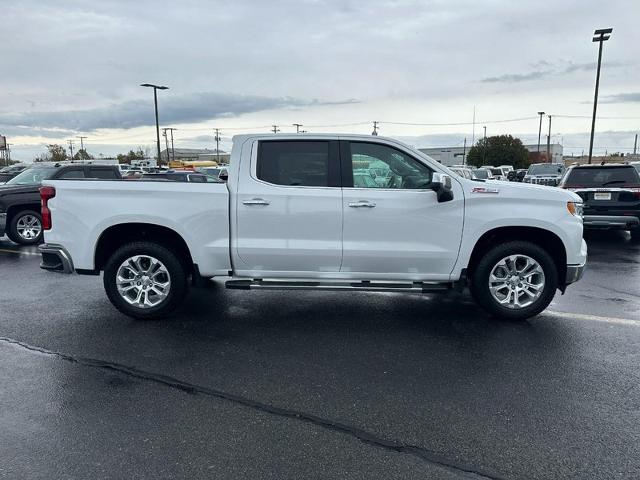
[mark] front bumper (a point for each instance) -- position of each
(3, 223)
(611, 221)
(574, 273)
(55, 258)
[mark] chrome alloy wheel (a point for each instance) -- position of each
(143, 281)
(516, 281)
(28, 227)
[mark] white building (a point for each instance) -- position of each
(454, 155)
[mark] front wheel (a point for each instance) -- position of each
(515, 280)
(145, 280)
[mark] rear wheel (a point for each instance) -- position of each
(635, 234)
(25, 227)
(515, 280)
(145, 280)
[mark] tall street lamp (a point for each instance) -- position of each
(600, 36)
(539, 132)
(155, 103)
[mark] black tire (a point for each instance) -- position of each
(635, 234)
(480, 280)
(178, 289)
(13, 233)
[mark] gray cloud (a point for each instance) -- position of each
(517, 77)
(622, 98)
(193, 107)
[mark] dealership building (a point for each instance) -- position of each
(455, 155)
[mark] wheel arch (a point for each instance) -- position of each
(16, 208)
(544, 238)
(117, 235)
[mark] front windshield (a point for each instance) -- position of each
(32, 176)
(482, 174)
(545, 169)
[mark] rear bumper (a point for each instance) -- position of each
(611, 221)
(55, 258)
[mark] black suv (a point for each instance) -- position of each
(20, 197)
(611, 195)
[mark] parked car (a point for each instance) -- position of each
(482, 173)
(498, 174)
(7, 173)
(611, 195)
(180, 176)
(217, 172)
(20, 216)
(463, 172)
(544, 174)
(293, 219)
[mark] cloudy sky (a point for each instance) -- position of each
(73, 68)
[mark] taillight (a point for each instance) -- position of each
(46, 194)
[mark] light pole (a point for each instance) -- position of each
(539, 132)
(217, 139)
(549, 141)
(600, 36)
(155, 103)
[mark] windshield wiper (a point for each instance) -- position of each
(613, 181)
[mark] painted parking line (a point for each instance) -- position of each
(594, 318)
(18, 252)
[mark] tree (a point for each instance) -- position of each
(499, 150)
(126, 158)
(55, 153)
(82, 155)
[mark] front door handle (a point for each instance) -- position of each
(361, 204)
(255, 201)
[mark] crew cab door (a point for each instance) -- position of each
(394, 226)
(289, 209)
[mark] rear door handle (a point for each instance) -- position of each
(362, 204)
(255, 201)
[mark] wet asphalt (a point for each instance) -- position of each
(319, 385)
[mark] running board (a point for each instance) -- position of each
(336, 285)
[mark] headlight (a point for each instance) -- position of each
(575, 208)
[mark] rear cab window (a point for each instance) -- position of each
(103, 173)
(601, 177)
(298, 163)
(70, 173)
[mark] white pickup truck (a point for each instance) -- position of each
(318, 212)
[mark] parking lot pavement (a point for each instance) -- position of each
(298, 385)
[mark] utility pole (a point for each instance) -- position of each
(473, 129)
(549, 141)
(375, 128)
(484, 148)
(635, 145)
(275, 129)
(297, 125)
(464, 152)
(173, 151)
(600, 36)
(71, 147)
(217, 139)
(166, 143)
(81, 143)
(539, 132)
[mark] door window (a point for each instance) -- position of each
(380, 166)
(72, 173)
(103, 173)
(295, 163)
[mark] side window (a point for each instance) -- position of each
(197, 179)
(294, 163)
(380, 166)
(103, 173)
(71, 173)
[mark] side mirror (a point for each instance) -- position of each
(224, 176)
(441, 184)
